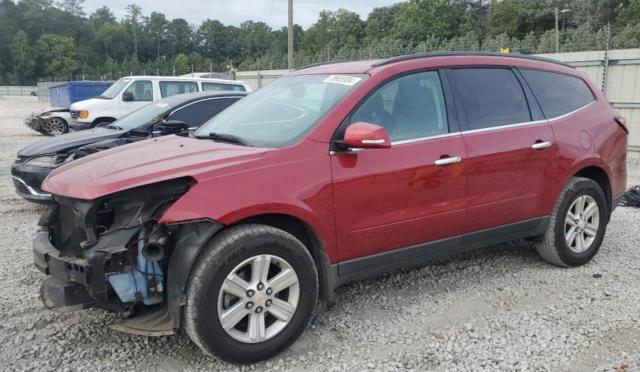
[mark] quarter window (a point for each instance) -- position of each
(199, 112)
(221, 86)
(558, 94)
(171, 88)
(491, 97)
(408, 107)
(142, 90)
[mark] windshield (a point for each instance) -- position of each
(151, 113)
(114, 89)
(282, 112)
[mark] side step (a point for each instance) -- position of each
(154, 324)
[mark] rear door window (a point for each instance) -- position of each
(171, 88)
(491, 97)
(207, 87)
(557, 94)
(197, 113)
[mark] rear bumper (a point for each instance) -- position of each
(28, 183)
(616, 201)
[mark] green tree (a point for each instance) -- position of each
(156, 26)
(333, 30)
(73, 7)
(380, 22)
(629, 14)
(133, 21)
(57, 56)
(547, 43)
(101, 16)
(582, 38)
(181, 64)
(22, 57)
(529, 44)
(628, 37)
(418, 19)
(179, 37)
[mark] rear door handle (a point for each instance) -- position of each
(449, 160)
(541, 145)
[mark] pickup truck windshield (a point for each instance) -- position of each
(280, 113)
(114, 89)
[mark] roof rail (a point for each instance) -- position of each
(448, 54)
(320, 64)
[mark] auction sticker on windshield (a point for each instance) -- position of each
(342, 79)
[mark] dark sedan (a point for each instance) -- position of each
(173, 115)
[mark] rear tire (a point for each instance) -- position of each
(239, 274)
(577, 225)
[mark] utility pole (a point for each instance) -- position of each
(557, 32)
(558, 11)
(290, 37)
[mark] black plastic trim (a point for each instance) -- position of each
(435, 251)
(189, 241)
(468, 54)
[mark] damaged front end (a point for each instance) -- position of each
(113, 254)
(50, 122)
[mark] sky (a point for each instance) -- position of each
(234, 12)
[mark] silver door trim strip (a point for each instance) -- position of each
(507, 126)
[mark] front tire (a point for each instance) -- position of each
(577, 225)
(55, 126)
(251, 293)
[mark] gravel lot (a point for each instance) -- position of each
(498, 309)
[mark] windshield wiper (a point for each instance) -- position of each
(230, 138)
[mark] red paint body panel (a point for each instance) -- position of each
(392, 198)
(508, 181)
(373, 200)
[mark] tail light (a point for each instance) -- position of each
(622, 123)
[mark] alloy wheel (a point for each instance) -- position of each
(55, 126)
(258, 298)
(582, 223)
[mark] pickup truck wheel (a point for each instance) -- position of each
(251, 293)
(577, 226)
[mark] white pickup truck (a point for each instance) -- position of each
(133, 92)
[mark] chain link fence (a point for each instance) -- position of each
(24, 90)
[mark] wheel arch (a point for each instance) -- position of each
(599, 176)
(103, 119)
(302, 231)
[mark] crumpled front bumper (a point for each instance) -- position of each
(65, 288)
(75, 283)
(34, 121)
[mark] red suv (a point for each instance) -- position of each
(331, 174)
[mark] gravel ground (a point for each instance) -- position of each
(498, 309)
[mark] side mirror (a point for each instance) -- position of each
(362, 135)
(127, 96)
(172, 127)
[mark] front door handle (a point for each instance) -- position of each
(449, 160)
(541, 145)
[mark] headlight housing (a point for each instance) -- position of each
(46, 161)
(83, 114)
